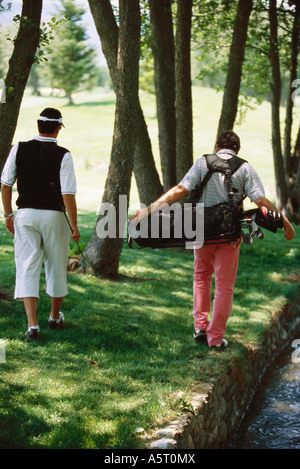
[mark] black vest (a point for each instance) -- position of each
(38, 163)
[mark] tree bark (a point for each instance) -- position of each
(146, 175)
(162, 43)
(104, 252)
(295, 181)
(290, 104)
(235, 64)
(296, 153)
(20, 63)
(281, 184)
(33, 81)
(183, 83)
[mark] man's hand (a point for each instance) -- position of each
(6, 195)
(138, 215)
(9, 224)
(71, 207)
(75, 234)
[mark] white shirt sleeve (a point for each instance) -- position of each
(9, 173)
(67, 175)
(253, 186)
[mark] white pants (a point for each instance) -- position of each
(41, 234)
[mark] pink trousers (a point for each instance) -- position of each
(221, 259)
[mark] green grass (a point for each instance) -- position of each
(127, 350)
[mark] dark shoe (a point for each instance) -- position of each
(200, 336)
(56, 324)
(32, 335)
(220, 346)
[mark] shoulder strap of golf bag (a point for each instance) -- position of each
(216, 164)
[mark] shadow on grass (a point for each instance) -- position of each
(18, 423)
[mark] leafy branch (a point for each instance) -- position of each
(46, 34)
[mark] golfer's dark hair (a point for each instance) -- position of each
(48, 127)
(230, 140)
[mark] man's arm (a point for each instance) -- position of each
(289, 231)
(71, 207)
(170, 197)
(6, 194)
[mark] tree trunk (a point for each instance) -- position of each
(20, 63)
(146, 175)
(290, 104)
(295, 192)
(183, 83)
(235, 64)
(104, 252)
(296, 153)
(295, 197)
(281, 184)
(162, 42)
(70, 98)
(33, 81)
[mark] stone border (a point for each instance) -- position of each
(219, 405)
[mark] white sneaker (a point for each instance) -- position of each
(200, 336)
(220, 346)
(55, 324)
(32, 334)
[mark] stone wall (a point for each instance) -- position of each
(220, 404)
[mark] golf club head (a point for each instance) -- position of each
(83, 264)
(260, 234)
(246, 238)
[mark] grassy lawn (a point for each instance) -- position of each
(127, 350)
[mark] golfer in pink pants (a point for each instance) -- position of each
(220, 259)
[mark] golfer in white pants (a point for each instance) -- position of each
(41, 232)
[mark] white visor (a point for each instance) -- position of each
(43, 118)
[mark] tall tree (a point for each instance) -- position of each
(71, 61)
(183, 84)
(235, 64)
(287, 151)
(162, 43)
(23, 55)
(146, 175)
(271, 53)
(286, 166)
(295, 193)
(281, 182)
(104, 252)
